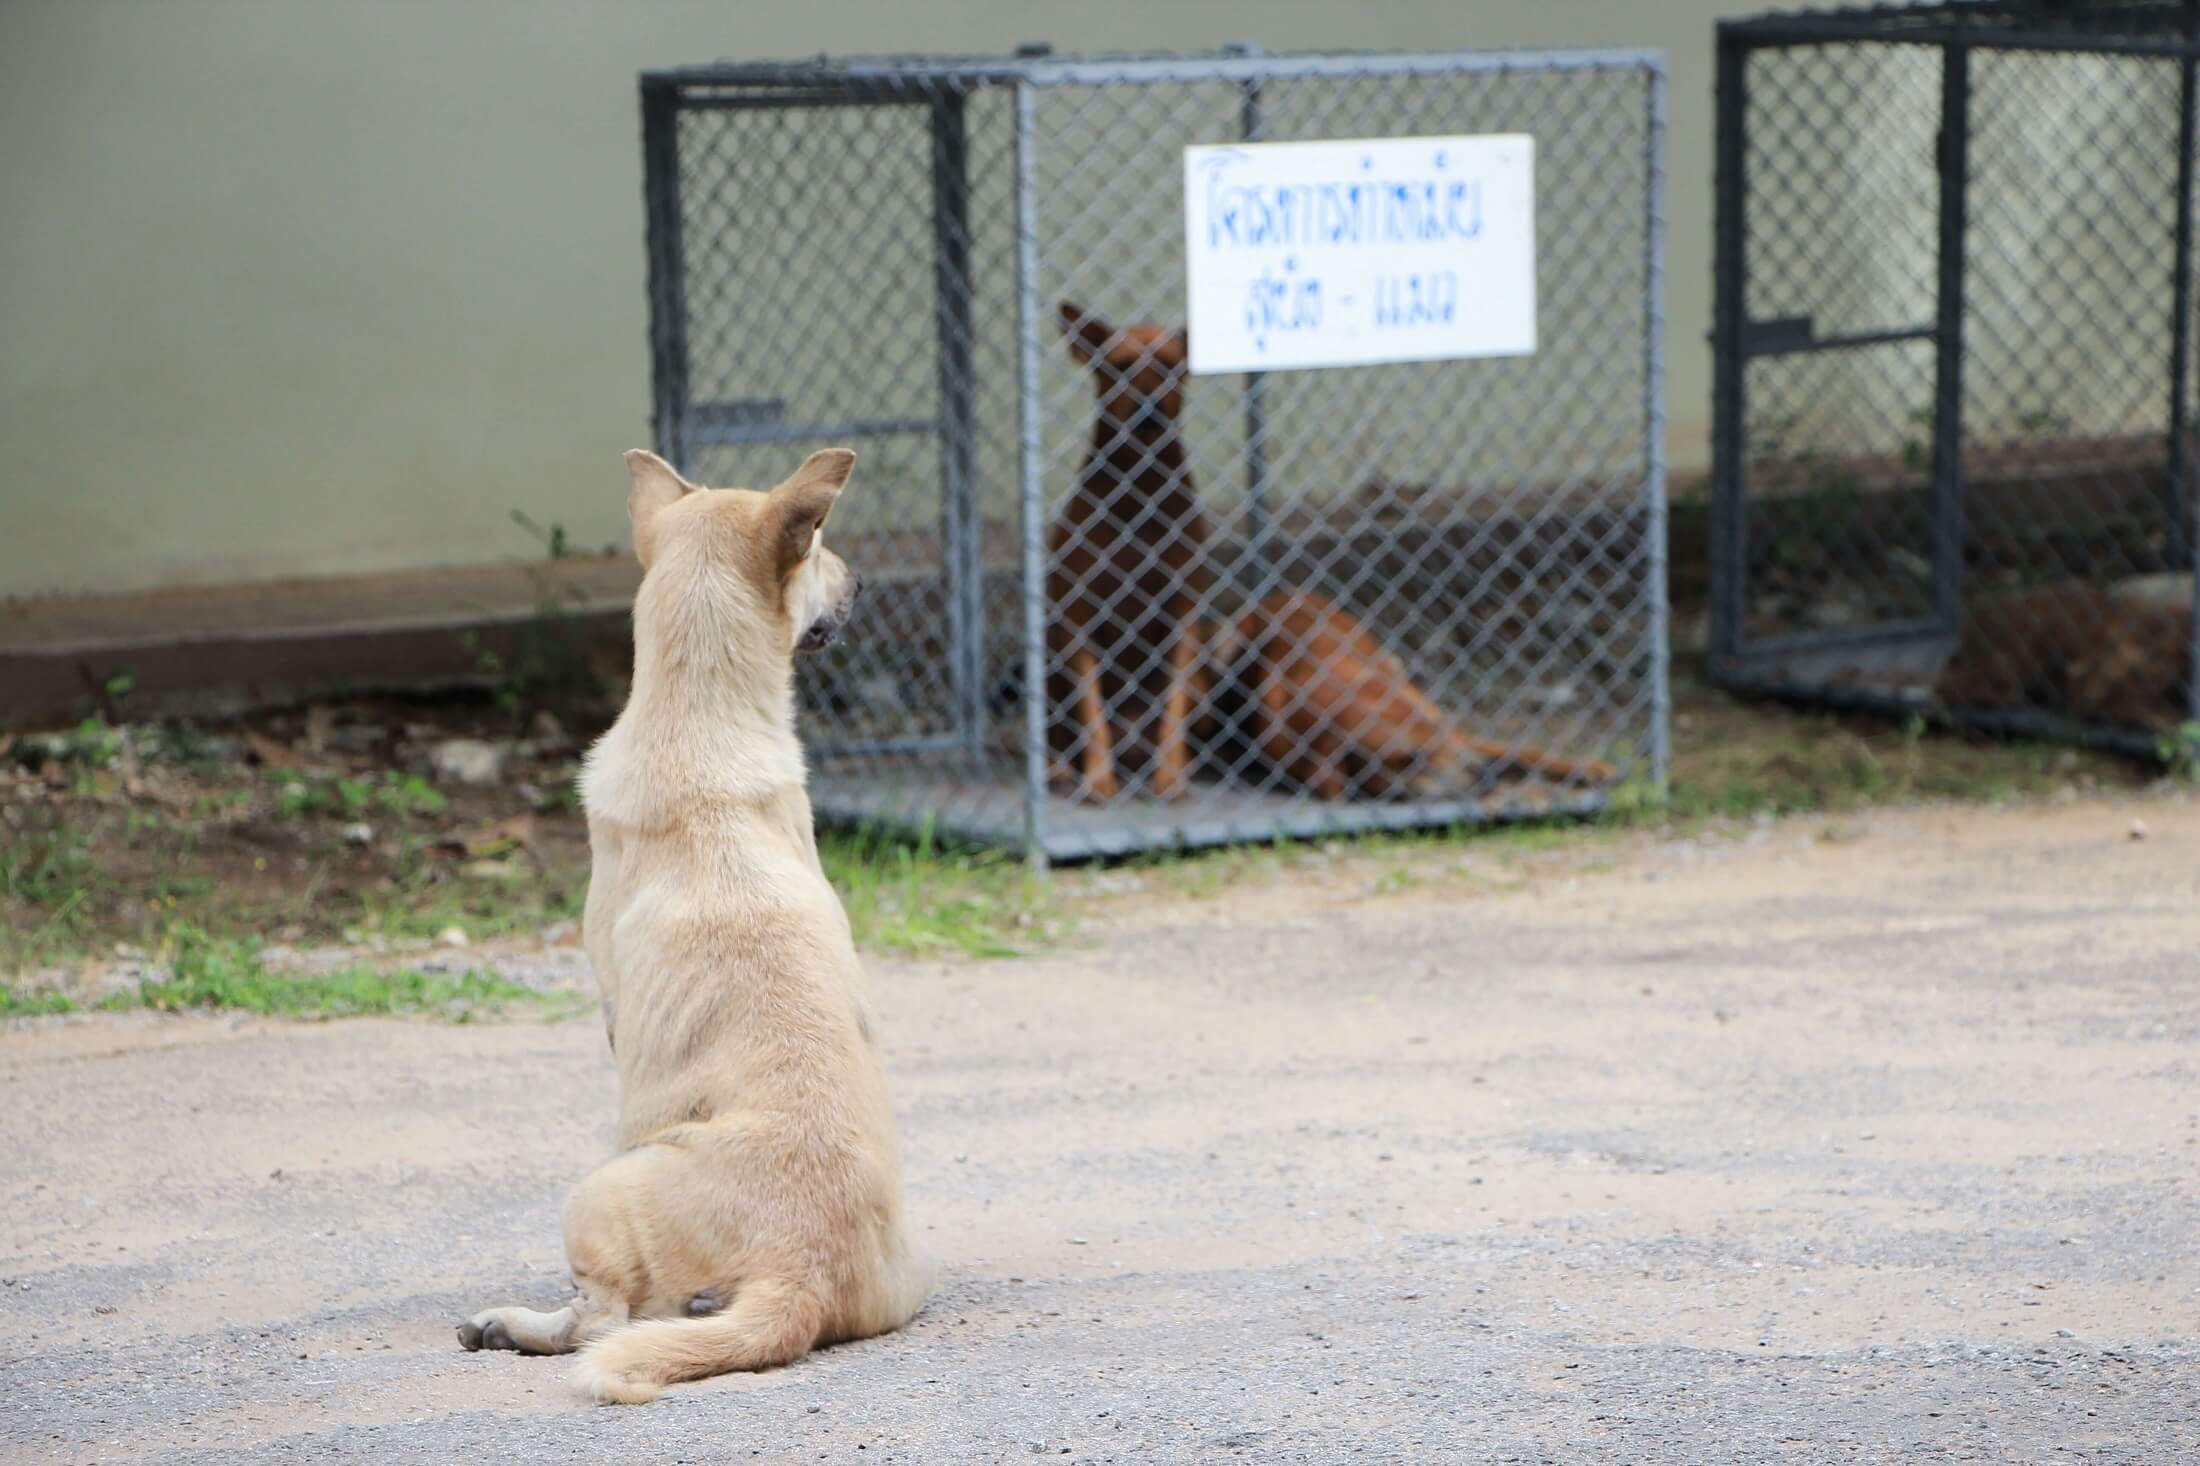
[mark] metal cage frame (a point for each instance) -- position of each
(688, 424)
(1819, 666)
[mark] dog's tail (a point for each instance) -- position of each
(1527, 758)
(771, 1321)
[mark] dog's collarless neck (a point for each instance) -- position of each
(1134, 455)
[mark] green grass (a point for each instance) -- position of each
(426, 900)
(917, 898)
(2180, 752)
(310, 795)
(1825, 765)
(1751, 761)
(105, 873)
(52, 876)
(226, 974)
(20, 1005)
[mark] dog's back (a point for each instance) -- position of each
(754, 1209)
(1301, 684)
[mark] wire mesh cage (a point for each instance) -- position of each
(1111, 605)
(1953, 427)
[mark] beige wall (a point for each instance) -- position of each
(295, 287)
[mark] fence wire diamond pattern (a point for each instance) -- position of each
(1111, 605)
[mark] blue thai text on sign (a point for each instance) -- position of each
(1348, 253)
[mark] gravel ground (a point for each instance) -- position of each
(1874, 1143)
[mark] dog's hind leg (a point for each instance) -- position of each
(1174, 756)
(1310, 755)
(602, 1247)
(531, 1331)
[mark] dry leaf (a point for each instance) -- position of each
(497, 838)
(270, 753)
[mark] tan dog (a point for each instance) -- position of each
(754, 1211)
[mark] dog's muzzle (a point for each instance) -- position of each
(826, 629)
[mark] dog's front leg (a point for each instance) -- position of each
(1174, 756)
(1092, 714)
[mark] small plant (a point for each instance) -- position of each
(554, 542)
(42, 867)
(311, 795)
(2180, 752)
(1917, 447)
(114, 690)
(2043, 422)
(96, 743)
(409, 794)
(299, 798)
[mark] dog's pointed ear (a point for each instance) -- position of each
(652, 484)
(799, 505)
(1089, 335)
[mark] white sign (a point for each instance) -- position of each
(1347, 253)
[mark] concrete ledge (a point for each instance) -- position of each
(214, 650)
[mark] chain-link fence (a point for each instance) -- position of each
(1110, 605)
(1953, 446)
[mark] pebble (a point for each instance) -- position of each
(2138, 829)
(467, 760)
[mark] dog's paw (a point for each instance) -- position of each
(484, 1331)
(1078, 791)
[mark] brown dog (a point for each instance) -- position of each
(1316, 697)
(1128, 577)
(2079, 652)
(1137, 671)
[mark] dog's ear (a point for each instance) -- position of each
(799, 505)
(652, 485)
(1089, 335)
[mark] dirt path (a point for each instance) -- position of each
(1877, 1148)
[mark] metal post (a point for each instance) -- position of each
(961, 523)
(1955, 169)
(668, 350)
(1653, 427)
(1032, 479)
(2184, 523)
(2181, 525)
(1730, 280)
(1258, 531)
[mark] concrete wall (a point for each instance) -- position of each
(299, 289)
